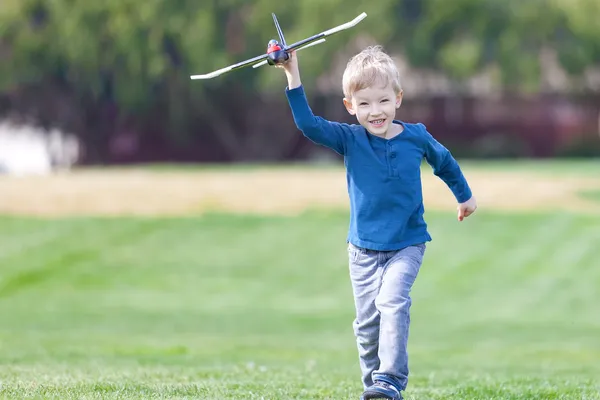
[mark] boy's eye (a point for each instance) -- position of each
(362, 104)
(384, 100)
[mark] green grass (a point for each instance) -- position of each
(224, 307)
(552, 167)
(591, 195)
(562, 167)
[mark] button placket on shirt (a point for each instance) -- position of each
(392, 158)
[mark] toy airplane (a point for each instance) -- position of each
(277, 52)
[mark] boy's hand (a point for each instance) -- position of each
(467, 208)
(291, 65)
(292, 71)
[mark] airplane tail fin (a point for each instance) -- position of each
(279, 32)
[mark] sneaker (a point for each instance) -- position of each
(381, 390)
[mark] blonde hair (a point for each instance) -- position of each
(370, 66)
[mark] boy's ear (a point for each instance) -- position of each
(399, 99)
(348, 105)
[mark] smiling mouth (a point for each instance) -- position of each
(377, 122)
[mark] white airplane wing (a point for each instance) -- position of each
(302, 44)
(241, 64)
(318, 38)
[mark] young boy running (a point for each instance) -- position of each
(387, 232)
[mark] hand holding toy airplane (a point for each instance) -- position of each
(277, 52)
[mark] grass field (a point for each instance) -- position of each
(258, 306)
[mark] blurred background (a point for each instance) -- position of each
(97, 83)
(126, 271)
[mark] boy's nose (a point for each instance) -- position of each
(375, 111)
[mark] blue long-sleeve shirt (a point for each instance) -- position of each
(383, 176)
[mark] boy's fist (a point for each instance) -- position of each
(467, 208)
(291, 65)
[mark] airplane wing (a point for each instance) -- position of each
(302, 44)
(305, 42)
(318, 38)
(241, 64)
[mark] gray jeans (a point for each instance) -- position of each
(381, 282)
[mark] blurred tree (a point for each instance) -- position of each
(127, 61)
(578, 42)
(461, 37)
(121, 67)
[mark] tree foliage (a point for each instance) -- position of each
(118, 65)
(462, 37)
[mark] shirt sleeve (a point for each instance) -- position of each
(330, 134)
(446, 167)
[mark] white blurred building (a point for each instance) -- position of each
(30, 150)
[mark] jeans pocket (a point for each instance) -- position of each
(355, 253)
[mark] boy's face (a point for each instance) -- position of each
(375, 108)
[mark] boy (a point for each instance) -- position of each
(387, 232)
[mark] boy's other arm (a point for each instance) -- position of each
(446, 168)
(317, 129)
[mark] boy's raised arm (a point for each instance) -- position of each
(319, 130)
(292, 72)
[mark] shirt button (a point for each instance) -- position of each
(393, 155)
